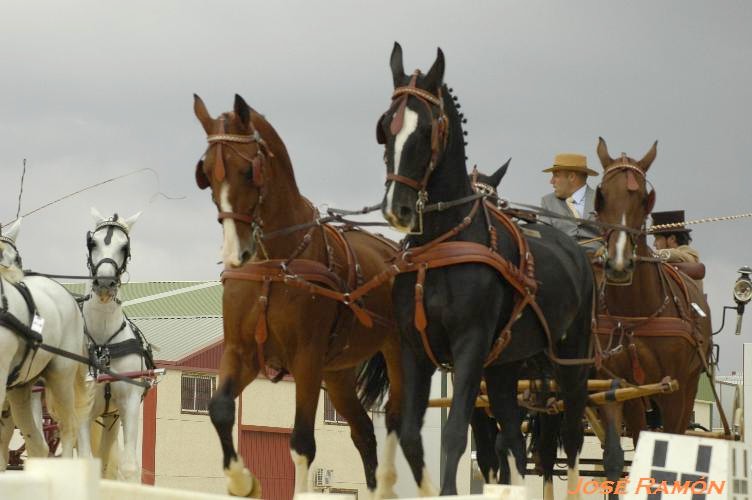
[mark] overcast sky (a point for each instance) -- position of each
(92, 90)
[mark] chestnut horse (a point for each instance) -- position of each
(286, 304)
(650, 327)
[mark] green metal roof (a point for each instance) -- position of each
(167, 299)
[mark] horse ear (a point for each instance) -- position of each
(435, 76)
(201, 179)
(395, 61)
(649, 157)
(242, 110)
(495, 179)
(97, 216)
(12, 231)
(605, 158)
(130, 221)
(199, 108)
(650, 202)
(599, 200)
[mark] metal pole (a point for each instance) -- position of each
(444, 414)
(747, 393)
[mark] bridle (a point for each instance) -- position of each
(439, 137)
(10, 242)
(624, 165)
(120, 268)
(220, 140)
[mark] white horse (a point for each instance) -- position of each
(112, 334)
(54, 315)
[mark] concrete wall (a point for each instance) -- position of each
(187, 453)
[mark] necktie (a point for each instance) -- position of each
(572, 208)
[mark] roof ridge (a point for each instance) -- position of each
(170, 293)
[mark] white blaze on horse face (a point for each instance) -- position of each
(621, 243)
(230, 245)
(409, 125)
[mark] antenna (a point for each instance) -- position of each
(20, 192)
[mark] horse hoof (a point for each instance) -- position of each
(256, 489)
(240, 481)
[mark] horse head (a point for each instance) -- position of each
(623, 199)
(414, 132)
(245, 164)
(489, 184)
(10, 260)
(109, 250)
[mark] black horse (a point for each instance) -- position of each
(466, 305)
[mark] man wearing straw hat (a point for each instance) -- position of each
(572, 197)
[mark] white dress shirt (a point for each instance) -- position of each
(578, 200)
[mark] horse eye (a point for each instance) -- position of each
(248, 174)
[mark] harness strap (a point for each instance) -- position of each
(31, 338)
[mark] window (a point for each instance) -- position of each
(330, 414)
(196, 391)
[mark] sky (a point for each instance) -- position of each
(91, 90)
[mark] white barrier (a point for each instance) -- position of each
(683, 466)
(490, 492)
(66, 479)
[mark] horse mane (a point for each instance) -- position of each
(269, 134)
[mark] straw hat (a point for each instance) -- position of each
(571, 162)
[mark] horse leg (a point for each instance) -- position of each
(547, 446)
(67, 399)
(613, 454)
(573, 381)
(341, 388)
(510, 444)
(307, 370)
(386, 472)
(673, 411)
(468, 358)
(27, 421)
(634, 419)
(128, 400)
(485, 436)
(237, 369)
(417, 372)
(6, 434)
(108, 447)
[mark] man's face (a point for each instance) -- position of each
(660, 242)
(563, 183)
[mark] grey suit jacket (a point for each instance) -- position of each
(575, 230)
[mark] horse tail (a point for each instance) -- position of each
(372, 381)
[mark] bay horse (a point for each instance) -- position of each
(36, 309)
(486, 309)
(115, 342)
(649, 326)
(286, 302)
